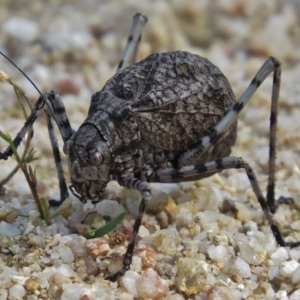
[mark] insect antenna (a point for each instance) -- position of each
(22, 72)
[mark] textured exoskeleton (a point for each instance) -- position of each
(171, 117)
(146, 117)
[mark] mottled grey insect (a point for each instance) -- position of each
(171, 117)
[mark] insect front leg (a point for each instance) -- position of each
(54, 109)
(29, 122)
(230, 162)
(144, 188)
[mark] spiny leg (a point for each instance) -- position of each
(57, 112)
(132, 46)
(209, 168)
(29, 122)
(144, 188)
(272, 142)
(60, 172)
(270, 65)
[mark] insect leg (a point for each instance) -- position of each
(134, 39)
(60, 172)
(144, 188)
(29, 122)
(270, 65)
(57, 111)
(171, 175)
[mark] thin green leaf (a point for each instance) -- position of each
(45, 209)
(65, 205)
(19, 97)
(8, 139)
(107, 228)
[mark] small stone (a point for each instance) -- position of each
(96, 248)
(148, 256)
(16, 292)
(295, 295)
(5, 242)
(151, 286)
(8, 229)
(4, 212)
(66, 254)
(191, 275)
(109, 208)
(125, 296)
(67, 84)
(32, 283)
(3, 294)
(243, 268)
(166, 241)
(65, 270)
(136, 264)
(71, 291)
(296, 275)
(223, 292)
(288, 267)
(279, 256)
(77, 245)
(160, 202)
(91, 266)
(37, 241)
(295, 254)
(273, 272)
(129, 282)
(22, 29)
(217, 252)
(163, 219)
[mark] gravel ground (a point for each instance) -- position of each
(188, 248)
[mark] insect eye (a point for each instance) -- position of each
(95, 159)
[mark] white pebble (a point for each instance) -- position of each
(109, 208)
(143, 232)
(175, 297)
(125, 296)
(217, 252)
(8, 229)
(71, 291)
(66, 254)
(288, 267)
(273, 272)
(295, 254)
(296, 275)
(16, 292)
(136, 263)
(282, 295)
(22, 29)
(151, 286)
(279, 255)
(129, 282)
(295, 295)
(15, 203)
(65, 270)
(3, 294)
(243, 268)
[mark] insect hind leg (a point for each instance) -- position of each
(204, 145)
(230, 162)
